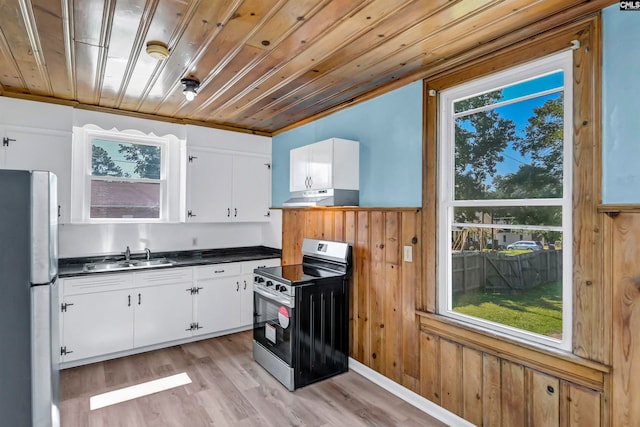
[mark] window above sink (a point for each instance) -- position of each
(126, 176)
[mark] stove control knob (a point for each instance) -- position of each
(259, 279)
(269, 283)
(283, 289)
(277, 287)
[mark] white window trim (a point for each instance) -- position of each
(446, 158)
(172, 178)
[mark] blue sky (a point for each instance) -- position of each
(520, 112)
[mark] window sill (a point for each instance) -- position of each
(560, 364)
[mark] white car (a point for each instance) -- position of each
(526, 244)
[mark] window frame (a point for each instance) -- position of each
(447, 202)
(172, 180)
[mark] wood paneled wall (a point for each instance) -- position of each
(488, 389)
(623, 236)
(384, 325)
(488, 381)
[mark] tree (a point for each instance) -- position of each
(480, 140)
(543, 143)
(544, 139)
(102, 164)
(146, 158)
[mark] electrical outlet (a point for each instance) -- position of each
(408, 254)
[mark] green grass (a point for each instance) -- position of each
(538, 310)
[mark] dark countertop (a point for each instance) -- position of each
(68, 267)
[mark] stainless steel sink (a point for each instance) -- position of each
(126, 265)
(156, 262)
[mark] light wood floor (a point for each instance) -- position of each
(228, 389)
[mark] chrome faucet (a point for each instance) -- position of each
(148, 252)
(127, 254)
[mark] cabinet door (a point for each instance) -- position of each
(162, 313)
(209, 186)
(43, 151)
(97, 323)
(251, 188)
(320, 165)
(298, 168)
(246, 300)
(218, 305)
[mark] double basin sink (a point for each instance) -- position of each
(126, 264)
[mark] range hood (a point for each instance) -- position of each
(328, 197)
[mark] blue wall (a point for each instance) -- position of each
(621, 106)
(389, 128)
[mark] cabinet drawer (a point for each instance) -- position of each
(164, 277)
(218, 270)
(97, 283)
(249, 266)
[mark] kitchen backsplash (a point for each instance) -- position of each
(99, 239)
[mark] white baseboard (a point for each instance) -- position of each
(409, 396)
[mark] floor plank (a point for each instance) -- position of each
(228, 389)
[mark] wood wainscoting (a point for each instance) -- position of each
(491, 381)
(488, 381)
(622, 233)
(384, 325)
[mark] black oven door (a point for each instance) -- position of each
(273, 325)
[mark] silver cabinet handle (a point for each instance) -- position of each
(237, 286)
(245, 284)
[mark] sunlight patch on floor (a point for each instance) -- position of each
(138, 390)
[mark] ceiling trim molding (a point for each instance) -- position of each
(89, 107)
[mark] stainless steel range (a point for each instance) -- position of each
(301, 315)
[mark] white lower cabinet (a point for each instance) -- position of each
(106, 314)
(217, 303)
(163, 306)
(96, 315)
(96, 324)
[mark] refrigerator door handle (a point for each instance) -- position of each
(44, 227)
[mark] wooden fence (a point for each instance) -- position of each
(489, 271)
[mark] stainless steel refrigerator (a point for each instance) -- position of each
(29, 345)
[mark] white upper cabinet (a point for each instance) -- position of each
(251, 196)
(225, 187)
(332, 163)
(34, 149)
(209, 186)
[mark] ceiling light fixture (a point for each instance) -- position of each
(157, 50)
(190, 88)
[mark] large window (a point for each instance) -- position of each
(125, 176)
(505, 191)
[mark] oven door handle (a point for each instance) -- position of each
(274, 298)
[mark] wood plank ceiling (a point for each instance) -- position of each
(263, 65)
